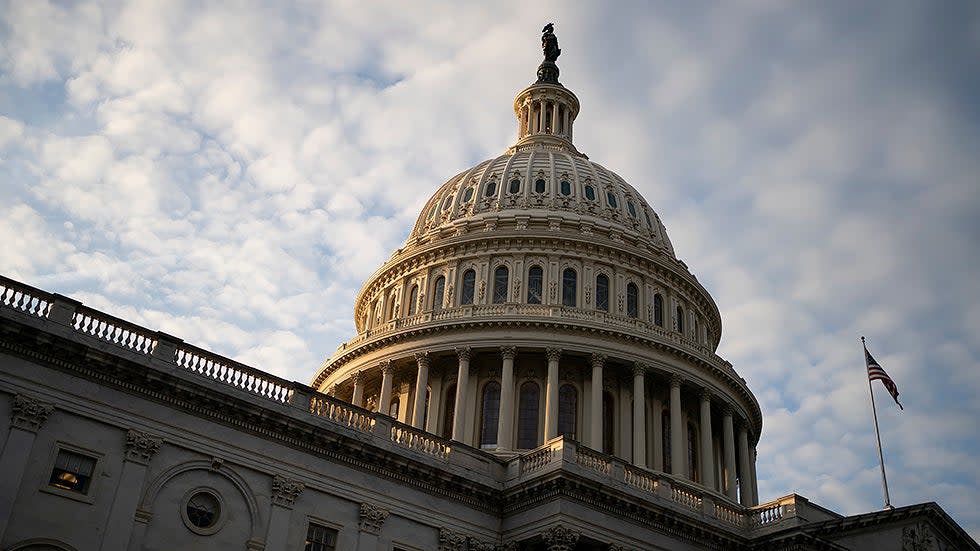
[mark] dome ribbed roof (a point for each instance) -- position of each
(539, 183)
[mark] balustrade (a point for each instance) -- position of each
(419, 441)
(729, 515)
(593, 460)
(641, 479)
(342, 413)
(537, 459)
(113, 330)
(686, 497)
(25, 298)
(232, 373)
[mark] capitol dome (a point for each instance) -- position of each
(539, 297)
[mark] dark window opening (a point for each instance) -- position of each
(602, 293)
(527, 417)
(569, 287)
(469, 286)
(501, 278)
(535, 284)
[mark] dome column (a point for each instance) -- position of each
(639, 416)
(462, 384)
(421, 384)
(505, 421)
(745, 471)
(755, 479)
(358, 398)
(387, 374)
(677, 448)
(551, 395)
(707, 461)
(728, 437)
(595, 404)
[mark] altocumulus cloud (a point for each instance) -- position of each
(232, 175)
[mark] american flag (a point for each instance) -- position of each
(876, 373)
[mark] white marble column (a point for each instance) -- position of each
(639, 416)
(551, 395)
(358, 398)
(505, 422)
(707, 459)
(595, 423)
(728, 444)
(25, 421)
(387, 374)
(421, 384)
(462, 384)
(678, 451)
(745, 476)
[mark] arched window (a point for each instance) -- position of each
(447, 202)
(608, 423)
(469, 286)
(438, 293)
(500, 281)
(602, 292)
(611, 199)
(449, 412)
(632, 300)
(567, 410)
(680, 320)
(535, 284)
(569, 286)
(490, 416)
(491, 189)
(527, 417)
(539, 185)
(692, 453)
(665, 419)
(515, 185)
(467, 194)
(590, 193)
(658, 309)
(566, 187)
(393, 408)
(631, 208)
(390, 310)
(413, 300)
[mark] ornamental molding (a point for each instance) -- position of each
(141, 447)
(464, 353)
(372, 518)
(285, 491)
(422, 359)
(28, 413)
(553, 354)
(450, 540)
(482, 545)
(597, 360)
(919, 537)
(560, 538)
(508, 352)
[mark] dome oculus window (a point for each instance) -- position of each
(515, 185)
(202, 511)
(539, 185)
(611, 199)
(491, 189)
(590, 193)
(566, 187)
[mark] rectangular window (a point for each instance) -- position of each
(320, 538)
(72, 471)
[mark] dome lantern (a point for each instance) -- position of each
(546, 110)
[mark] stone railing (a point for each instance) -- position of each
(551, 311)
(27, 299)
(114, 330)
(342, 413)
(230, 372)
(591, 459)
(420, 441)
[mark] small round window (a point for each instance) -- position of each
(202, 511)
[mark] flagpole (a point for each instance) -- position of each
(874, 413)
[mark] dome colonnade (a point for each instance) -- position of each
(537, 296)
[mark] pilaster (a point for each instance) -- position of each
(26, 418)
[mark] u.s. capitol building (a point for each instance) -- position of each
(534, 369)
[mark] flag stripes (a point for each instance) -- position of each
(876, 373)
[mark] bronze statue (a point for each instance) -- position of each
(549, 43)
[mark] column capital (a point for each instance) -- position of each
(285, 491)
(554, 354)
(640, 369)
(508, 352)
(464, 353)
(386, 367)
(676, 380)
(706, 395)
(422, 359)
(357, 377)
(598, 359)
(372, 518)
(559, 538)
(141, 447)
(450, 540)
(29, 414)
(726, 409)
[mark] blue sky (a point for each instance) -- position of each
(231, 175)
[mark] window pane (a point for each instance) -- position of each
(539, 185)
(611, 199)
(566, 187)
(491, 414)
(658, 310)
(527, 421)
(567, 410)
(631, 208)
(602, 293)
(468, 194)
(491, 189)
(413, 300)
(535, 283)
(500, 281)
(569, 286)
(680, 319)
(469, 285)
(632, 300)
(438, 293)
(515, 185)
(320, 538)
(72, 471)
(590, 193)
